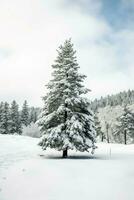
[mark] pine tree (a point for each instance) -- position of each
(66, 121)
(125, 127)
(25, 114)
(33, 115)
(5, 123)
(15, 119)
(1, 116)
(107, 126)
(98, 128)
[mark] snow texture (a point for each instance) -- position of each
(31, 130)
(27, 173)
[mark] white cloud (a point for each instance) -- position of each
(31, 30)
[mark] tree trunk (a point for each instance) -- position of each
(107, 130)
(102, 137)
(65, 153)
(65, 119)
(125, 137)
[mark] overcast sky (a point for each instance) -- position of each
(31, 30)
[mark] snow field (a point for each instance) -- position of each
(28, 173)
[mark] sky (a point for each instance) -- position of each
(31, 30)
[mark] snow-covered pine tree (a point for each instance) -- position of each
(125, 125)
(66, 121)
(5, 123)
(99, 132)
(25, 114)
(1, 116)
(33, 115)
(15, 119)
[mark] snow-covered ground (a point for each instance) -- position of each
(28, 173)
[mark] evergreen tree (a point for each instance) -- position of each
(125, 127)
(15, 119)
(33, 115)
(1, 116)
(107, 126)
(66, 121)
(5, 123)
(25, 114)
(98, 128)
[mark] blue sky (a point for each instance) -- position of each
(118, 13)
(31, 30)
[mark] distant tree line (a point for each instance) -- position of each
(123, 131)
(125, 128)
(122, 99)
(12, 119)
(124, 125)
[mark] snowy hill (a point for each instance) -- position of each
(108, 115)
(119, 99)
(28, 173)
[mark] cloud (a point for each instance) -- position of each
(32, 30)
(91, 7)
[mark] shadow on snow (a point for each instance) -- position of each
(74, 157)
